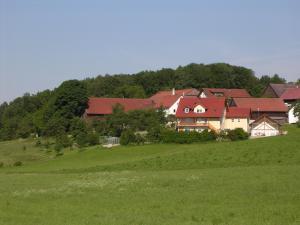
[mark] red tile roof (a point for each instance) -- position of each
(166, 98)
(261, 104)
(228, 93)
(279, 89)
(291, 94)
(104, 106)
(214, 107)
(236, 112)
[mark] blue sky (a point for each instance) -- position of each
(43, 43)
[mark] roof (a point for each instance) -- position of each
(291, 94)
(236, 112)
(264, 117)
(214, 107)
(104, 106)
(228, 93)
(261, 104)
(167, 98)
(279, 89)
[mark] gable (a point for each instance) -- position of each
(199, 109)
(264, 126)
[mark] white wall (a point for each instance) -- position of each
(264, 129)
(172, 110)
(292, 118)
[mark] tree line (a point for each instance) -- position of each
(53, 112)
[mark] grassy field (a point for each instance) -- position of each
(254, 182)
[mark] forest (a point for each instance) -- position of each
(52, 112)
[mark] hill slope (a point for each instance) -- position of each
(248, 182)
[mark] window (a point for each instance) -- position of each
(199, 110)
(186, 110)
(239, 120)
(174, 110)
(232, 120)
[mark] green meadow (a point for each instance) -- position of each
(253, 182)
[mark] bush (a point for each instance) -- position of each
(38, 142)
(1, 164)
(63, 141)
(18, 163)
(154, 134)
(127, 137)
(171, 136)
(237, 134)
(81, 139)
(139, 139)
(92, 139)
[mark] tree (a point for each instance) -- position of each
(130, 91)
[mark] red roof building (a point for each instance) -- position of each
(104, 106)
(235, 112)
(223, 92)
(276, 90)
(272, 107)
(167, 98)
(211, 107)
(291, 94)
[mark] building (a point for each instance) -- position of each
(198, 114)
(276, 90)
(272, 107)
(169, 100)
(289, 93)
(100, 107)
(265, 126)
(223, 92)
(237, 118)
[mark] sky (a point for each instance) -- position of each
(43, 43)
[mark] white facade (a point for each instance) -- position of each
(172, 110)
(202, 95)
(292, 117)
(264, 129)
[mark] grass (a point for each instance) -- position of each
(234, 183)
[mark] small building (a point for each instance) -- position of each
(169, 100)
(264, 126)
(237, 118)
(272, 107)
(100, 107)
(224, 92)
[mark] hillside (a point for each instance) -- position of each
(248, 182)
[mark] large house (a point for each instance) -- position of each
(197, 114)
(289, 93)
(272, 107)
(224, 92)
(100, 107)
(169, 100)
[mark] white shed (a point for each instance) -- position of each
(265, 126)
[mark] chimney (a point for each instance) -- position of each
(173, 91)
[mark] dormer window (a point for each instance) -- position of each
(199, 109)
(186, 110)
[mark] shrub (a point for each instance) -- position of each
(237, 134)
(139, 139)
(38, 142)
(154, 134)
(18, 163)
(1, 164)
(24, 147)
(171, 136)
(63, 141)
(81, 139)
(127, 137)
(92, 139)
